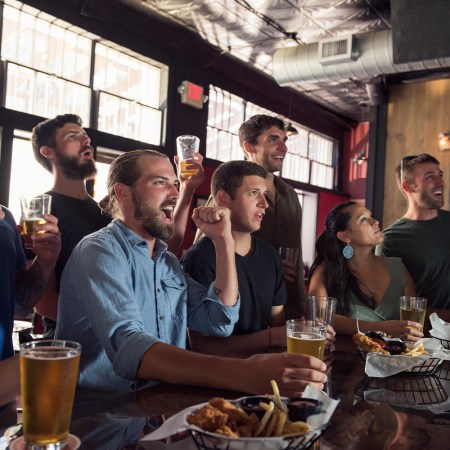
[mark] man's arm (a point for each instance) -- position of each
(31, 284)
(271, 339)
(187, 189)
(163, 362)
(216, 224)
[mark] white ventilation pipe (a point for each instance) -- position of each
(301, 63)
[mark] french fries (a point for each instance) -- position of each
(415, 351)
(275, 421)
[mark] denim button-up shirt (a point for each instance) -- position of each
(117, 301)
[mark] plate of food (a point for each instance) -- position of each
(253, 422)
(386, 357)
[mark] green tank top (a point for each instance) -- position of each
(389, 307)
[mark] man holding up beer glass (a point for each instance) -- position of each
(21, 288)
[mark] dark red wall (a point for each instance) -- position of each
(354, 175)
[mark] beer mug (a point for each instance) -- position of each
(48, 375)
(33, 207)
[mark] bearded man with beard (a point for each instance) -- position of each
(63, 148)
(421, 237)
(126, 299)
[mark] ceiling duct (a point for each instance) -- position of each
(302, 63)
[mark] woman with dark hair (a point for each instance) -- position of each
(367, 286)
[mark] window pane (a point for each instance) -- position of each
(322, 175)
(126, 76)
(27, 175)
(38, 44)
(225, 115)
(44, 95)
(129, 119)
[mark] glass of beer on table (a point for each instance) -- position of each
(187, 145)
(48, 375)
(306, 337)
(414, 309)
(33, 207)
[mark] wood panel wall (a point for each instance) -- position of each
(417, 113)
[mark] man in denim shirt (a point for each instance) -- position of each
(128, 302)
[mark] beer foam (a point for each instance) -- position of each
(49, 353)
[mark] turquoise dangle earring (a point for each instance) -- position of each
(347, 251)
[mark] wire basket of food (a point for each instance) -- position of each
(260, 422)
(388, 357)
(253, 423)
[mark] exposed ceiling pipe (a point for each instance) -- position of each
(301, 63)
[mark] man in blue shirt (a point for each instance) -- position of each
(128, 302)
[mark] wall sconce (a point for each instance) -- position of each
(444, 140)
(360, 158)
(290, 130)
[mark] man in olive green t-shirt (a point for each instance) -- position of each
(422, 236)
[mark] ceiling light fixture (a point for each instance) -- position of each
(444, 140)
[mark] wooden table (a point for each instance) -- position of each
(118, 422)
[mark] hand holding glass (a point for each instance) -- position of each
(414, 309)
(187, 145)
(306, 337)
(48, 375)
(33, 207)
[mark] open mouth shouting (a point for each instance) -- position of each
(167, 210)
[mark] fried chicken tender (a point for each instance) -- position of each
(208, 418)
(368, 345)
(222, 417)
(234, 414)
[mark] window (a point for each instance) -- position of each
(310, 157)
(131, 92)
(42, 56)
(27, 175)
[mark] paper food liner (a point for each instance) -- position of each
(440, 329)
(177, 423)
(378, 365)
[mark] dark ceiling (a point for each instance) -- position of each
(252, 30)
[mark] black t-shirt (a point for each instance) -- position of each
(260, 278)
(76, 219)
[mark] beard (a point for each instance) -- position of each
(74, 170)
(150, 219)
(430, 202)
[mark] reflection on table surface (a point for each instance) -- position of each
(119, 422)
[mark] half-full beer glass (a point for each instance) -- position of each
(33, 207)
(306, 337)
(48, 375)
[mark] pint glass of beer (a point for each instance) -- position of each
(33, 206)
(414, 309)
(187, 145)
(48, 375)
(306, 337)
